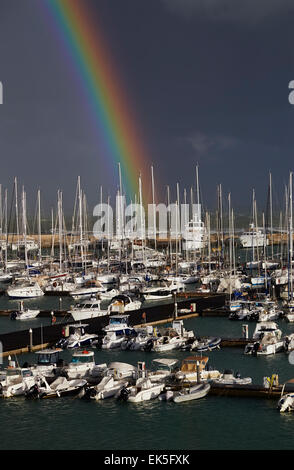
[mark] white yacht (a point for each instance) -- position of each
(117, 331)
(87, 309)
(254, 238)
(269, 342)
(25, 290)
(126, 302)
(194, 234)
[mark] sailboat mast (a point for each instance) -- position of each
(39, 226)
(154, 208)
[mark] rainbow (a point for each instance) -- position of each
(106, 98)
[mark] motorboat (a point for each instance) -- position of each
(58, 388)
(269, 343)
(168, 339)
(82, 366)
(77, 337)
(240, 314)
(117, 331)
(25, 290)
(193, 392)
(107, 278)
(206, 344)
(254, 238)
(164, 369)
(84, 292)
(143, 390)
(108, 294)
(270, 314)
(48, 361)
(24, 313)
(107, 388)
(16, 382)
(126, 302)
(122, 370)
(289, 343)
(87, 309)
(228, 378)
(138, 341)
(266, 327)
(286, 403)
(196, 369)
(164, 343)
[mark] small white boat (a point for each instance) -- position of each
(286, 403)
(143, 390)
(165, 367)
(25, 314)
(195, 369)
(107, 388)
(84, 292)
(25, 291)
(228, 378)
(270, 343)
(78, 337)
(194, 392)
(117, 331)
(48, 360)
(59, 388)
(16, 382)
(206, 344)
(124, 303)
(83, 365)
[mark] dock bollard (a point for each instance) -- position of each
(245, 331)
(31, 339)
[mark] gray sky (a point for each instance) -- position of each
(208, 80)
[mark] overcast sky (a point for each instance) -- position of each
(208, 80)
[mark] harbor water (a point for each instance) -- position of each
(212, 423)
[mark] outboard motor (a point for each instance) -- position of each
(33, 393)
(255, 348)
(149, 345)
(98, 342)
(124, 394)
(90, 392)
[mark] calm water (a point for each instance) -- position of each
(210, 423)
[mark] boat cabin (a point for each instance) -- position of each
(118, 320)
(89, 304)
(82, 357)
(48, 357)
(190, 363)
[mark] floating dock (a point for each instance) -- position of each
(250, 390)
(17, 342)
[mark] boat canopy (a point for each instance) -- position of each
(190, 363)
(166, 362)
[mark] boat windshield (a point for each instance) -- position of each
(81, 359)
(117, 321)
(47, 358)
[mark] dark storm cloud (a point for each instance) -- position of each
(244, 11)
(208, 82)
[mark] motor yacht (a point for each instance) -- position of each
(77, 337)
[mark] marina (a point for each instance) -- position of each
(146, 229)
